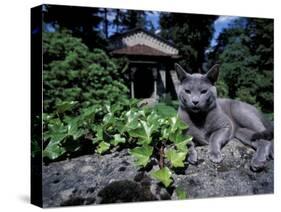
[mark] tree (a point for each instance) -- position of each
(106, 23)
(117, 20)
(190, 33)
(134, 19)
(72, 72)
(245, 51)
(83, 22)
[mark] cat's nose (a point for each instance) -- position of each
(195, 101)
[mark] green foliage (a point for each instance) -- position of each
(222, 88)
(164, 175)
(245, 52)
(53, 150)
(142, 154)
(181, 194)
(190, 33)
(74, 73)
(118, 140)
(151, 133)
(176, 157)
(65, 106)
(103, 147)
(143, 133)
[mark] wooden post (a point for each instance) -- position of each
(163, 78)
(175, 80)
(154, 72)
(132, 89)
(132, 78)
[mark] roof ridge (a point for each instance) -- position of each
(139, 29)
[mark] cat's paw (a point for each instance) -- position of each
(215, 157)
(192, 159)
(263, 154)
(257, 165)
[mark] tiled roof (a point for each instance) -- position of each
(139, 50)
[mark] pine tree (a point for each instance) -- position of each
(191, 34)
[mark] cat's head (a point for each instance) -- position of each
(197, 92)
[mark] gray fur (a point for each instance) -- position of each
(213, 121)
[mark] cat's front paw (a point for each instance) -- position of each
(192, 158)
(215, 157)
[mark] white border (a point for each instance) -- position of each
(15, 101)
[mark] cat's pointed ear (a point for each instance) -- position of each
(213, 73)
(182, 74)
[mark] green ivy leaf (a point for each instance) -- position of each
(65, 106)
(165, 133)
(103, 147)
(143, 133)
(164, 110)
(118, 139)
(181, 141)
(56, 132)
(72, 126)
(176, 157)
(154, 121)
(131, 121)
(181, 194)
(177, 124)
(171, 128)
(47, 117)
(89, 112)
(53, 150)
(98, 133)
(56, 137)
(72, 129)
(79, 133)
(163, 175)
(141, 154)
(56, 125)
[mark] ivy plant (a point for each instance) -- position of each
(153, 133)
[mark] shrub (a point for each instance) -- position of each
(74, 73)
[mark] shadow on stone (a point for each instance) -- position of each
(125, 191)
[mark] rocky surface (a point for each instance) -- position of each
(95, 179)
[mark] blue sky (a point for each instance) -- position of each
(154, 18)
(221, 23)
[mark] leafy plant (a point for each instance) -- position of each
(142, 154)
(152, 134)
(74, 73)
(164, 175)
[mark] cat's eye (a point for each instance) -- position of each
(187, 91)
(203, 91)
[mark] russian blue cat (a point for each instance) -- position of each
(214, 121)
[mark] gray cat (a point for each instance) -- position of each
(213, 121)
